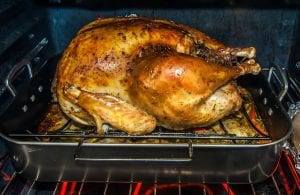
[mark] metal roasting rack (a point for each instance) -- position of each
(159, 133)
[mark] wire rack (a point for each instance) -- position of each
(223, 134)
(284, 181)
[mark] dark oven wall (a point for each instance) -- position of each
(270, 27)
(270, 31)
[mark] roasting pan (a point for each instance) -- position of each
(169, 162)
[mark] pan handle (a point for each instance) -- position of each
(13, 73)
(283, 81)
(79, 158)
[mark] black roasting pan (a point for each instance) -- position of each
(186, 162)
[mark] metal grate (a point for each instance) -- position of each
(294, 93)
(282, 182)
(107, 188)
(159, 133)
(155, 135)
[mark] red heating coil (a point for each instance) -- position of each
(228, 189)
(292, 168)
(161, 187)
(63, 188)
(5, 176)
(137, 189)
(73, 187)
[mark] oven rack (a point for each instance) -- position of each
(159, 133)
(135, 188)
(283, 181)
(116, 134)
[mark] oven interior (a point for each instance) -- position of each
(40, 30)
(272, 28)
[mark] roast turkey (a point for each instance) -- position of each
(138, 73)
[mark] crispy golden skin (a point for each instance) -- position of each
(130, 72)
(183, 91)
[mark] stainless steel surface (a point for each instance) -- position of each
(186, 157)
(275, 184)
(281, 182)
(55, 189)
(155, 135)
(31, 187)
(26, 62)
(16, 69)
(252, 188)
(284, 83)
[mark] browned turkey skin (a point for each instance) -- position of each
(135, 73)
